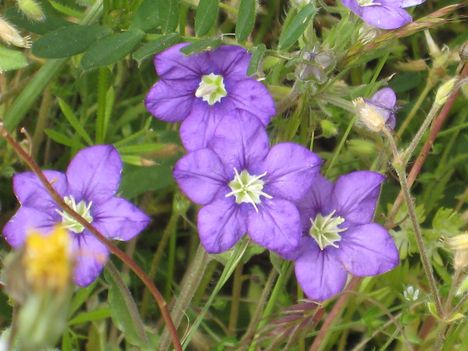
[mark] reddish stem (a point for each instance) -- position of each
(112, 248)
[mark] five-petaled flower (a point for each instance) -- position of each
(384, 14)
(89, 187)
(202, 88)
(339, 236)
(377, 112)
(246, 187)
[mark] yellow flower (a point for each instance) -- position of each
(47, 260)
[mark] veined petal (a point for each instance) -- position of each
(290, 170)
(409, 3)
(355, 196)
(253, 97)
(240, 141)
(232, 61)
(29, 219)
(385, 17)
(119, 219)
(171, 101)
(367, 250)
(200, 175)
(221, 224)
(94, 173)
(316, 200)
(31, 193)
(319, 273)
(174, 65)
(276, 226)
(385, 97)
(90, 257)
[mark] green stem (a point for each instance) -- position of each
(235, 304)
(189, 285)
(399, 166)
(340, 146)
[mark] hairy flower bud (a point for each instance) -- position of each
(459, 244)
(10, 35)
(31, 9)
(444, 91)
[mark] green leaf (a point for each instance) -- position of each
(68, 41)
(11, 60)
(257, 56)
(73, 120)
(91, 316)
(137, 180)
(52, 20)
(201, 45)
(59, 137)
(205, 18)
(245, 19)
(296, 26)
(124, 310)
(157, 13)
(111, 48)
(155, 46)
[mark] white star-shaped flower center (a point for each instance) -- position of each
(247, 188)
(82, 208)
(211, 88)
(325, 230)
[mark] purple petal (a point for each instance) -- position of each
(200, 176)
(253, 97)
(221, 224)
(355, 196)
(385, 17)
(319, 273)
(315, 201)
(240, 140)
(171, 101)
(290, 170)
(198, 128)
(94, 173)
(353, 5)
(174, 65)
(31, 193)
(385, 97)
(409, 3)
(28, 219)
(90, 257)
(119, 219)
(276, 226)
(368, 250)
(232, 61)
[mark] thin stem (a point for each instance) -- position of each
(111, 247)
(235, 304)
(399, 166)
(340, 146)
(189, 285)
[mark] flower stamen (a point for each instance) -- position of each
(211, 88)
(325, 230)
(247, 188)
(82, 208)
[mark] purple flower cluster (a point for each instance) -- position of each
(384, 14)
(274, 194)
(89, 187)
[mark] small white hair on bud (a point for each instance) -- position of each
(10, 35)
(368, 115)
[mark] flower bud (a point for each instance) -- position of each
(411, 293)
(10, 35)
(434, 50)
(31, 10)
(329, 129)
(444, 91)
(459, 244)
(369, 115)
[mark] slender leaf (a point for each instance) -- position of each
(205, 18)
(73, 120)
(245, 19)
(91, 316)
(111, 48)
(169, 10)
(257, 56)
(11, 60)
(59, 137)
(296, 27)
(157, 13)
(155, 46)
(68, 41)
(124, 309)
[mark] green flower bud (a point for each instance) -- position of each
(444, 91)
(31, 10)
(329, 129)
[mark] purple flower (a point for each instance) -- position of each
(89, 187)
(339, 235)
(246, 187)
(384, 14)
(202, 88)
(379, 111)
